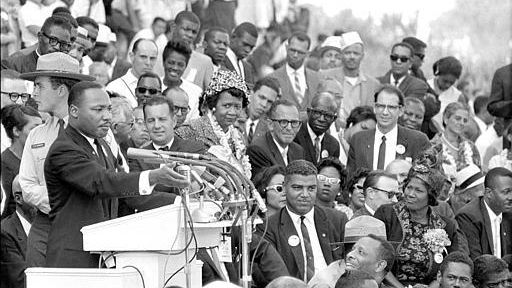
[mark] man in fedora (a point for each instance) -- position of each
(469, 185)
(53, 78)
(358, 87)
(370, 253)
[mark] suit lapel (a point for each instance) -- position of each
(369, 149)
(288, 230)
(287, 87)
(274, 150)
(305, 140)
(405, 84)
(20, 233)
(322, 231)
(401, 140)
(487, 224)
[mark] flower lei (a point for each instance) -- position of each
(233, 142)
(462, 159)
(437, 240)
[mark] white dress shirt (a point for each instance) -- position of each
(391, 140)
(282, 151)
(392, 80)
(24, 223)
(125, 86)
(496, 230)
(481, 124)
(369, 209)
(313, 136)
(301, 72)
(237, 64)
(248, 125)
(309, 221)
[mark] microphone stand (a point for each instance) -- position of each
(185, 170)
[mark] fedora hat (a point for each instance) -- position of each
(363, 226)
(469, 177)
(57, 64)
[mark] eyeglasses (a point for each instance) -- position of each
(421, 56)
(283, 123)
(502, 283)
(15, 95)
(64, 46)
(332, 181)
(391, 108)
(142, 90)
(182, 110)
(394, 58)
(278, 188)
(315, 113)
(390, 193)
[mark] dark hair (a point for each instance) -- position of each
(447, 65)
(493, 174)
(360, 173)
(84, 20)
(209, 33)
(177, 46)
(57, 81)
(138, 41)
(301, 36)
(373, 177)
(480, 103)
(318, 96)
(508, 258)
(186, 15)
(68, 17)
(245, 27)
(391, 89)
(414, 100)
(158, 100)
(276, 104)
(359, 114)
(211, 101)
(61, 10)
(56, 21)
(14, 116)
(262, 179)
(150, 74)
(77, 91)
(270, 82)
(456, 257)
(403, 44)
(386, 251)
(415, 43)
(353, 279)
(336, 164)
(299, 167)
(158, 19)
(486, 266)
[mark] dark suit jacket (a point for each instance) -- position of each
(248, 70)
(120, 68)
(410, 86)
(329, 144)
(330, 226)
(211, 273)
(23, 63)
(260, 130)
(80, 190)
(287, 91)
(474, 221)
(500, 101)
(263, 152)
(162, 195)
(12, 256)
(360, 153)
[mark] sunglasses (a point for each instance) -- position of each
(332, 181)
(64, 46)
(142, 90)
(283, 123)
(14, 96)
(421, 56)
(390, 193)
(278, 188)
(395, 58)
(315, 113)
(182, 110)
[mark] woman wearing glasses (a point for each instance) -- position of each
(269, 182)
(447, 71)
(331, 179)
(423, 236)
(18, 121)
(223, 102)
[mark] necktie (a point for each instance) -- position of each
(165, 148)
(251, 133)
(310, 261)
(318, 147)
(396, 82)
(284, 154)
(382, 154)
(61, 126)
(298, 91)
(497, 237)
(101, 155)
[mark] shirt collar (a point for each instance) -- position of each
(492, 215)
(393, 134)
(281, 149)
(157, 147)
(369, 209)
(310, 216)
(313, 135)
(24, 223)
(249, 121)
(232, 57)
(129, 77)
(291, 71)
(392, 79)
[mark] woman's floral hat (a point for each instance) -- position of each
(223, 80)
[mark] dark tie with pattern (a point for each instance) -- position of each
(251, 133)
(310, 261)
(318, 148)
(61, 126)
(382, 154)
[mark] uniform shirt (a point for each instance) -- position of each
(309, 221)
(125, 86)
(391, 139)
(352, 95)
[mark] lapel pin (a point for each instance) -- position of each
(293, 240)
(323, 235)
(400, 149)
(325, 154)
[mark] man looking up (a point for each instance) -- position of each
(216, 43)
(143, 57)
(358, 87)
(264, 94)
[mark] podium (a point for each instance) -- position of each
(152, 241)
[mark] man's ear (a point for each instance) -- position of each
(73, 111)
(16, 132)
(381, 265)
(18, 198)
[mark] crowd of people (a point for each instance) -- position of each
(390, 181)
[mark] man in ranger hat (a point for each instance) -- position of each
(55, 74)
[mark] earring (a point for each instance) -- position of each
(213, 110)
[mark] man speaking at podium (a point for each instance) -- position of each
(82, 178)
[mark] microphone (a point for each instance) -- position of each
(259, 200)
(135, 153)
(198, 173)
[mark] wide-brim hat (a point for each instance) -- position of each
(363, 226)
(57, 64)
